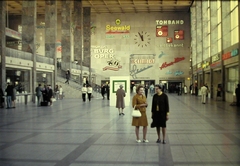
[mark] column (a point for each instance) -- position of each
(77, 33)
(66, 35)
(3, 44)
(77, 30)
(238, 39)
(87, 40)
(51, 34)
(29, 16)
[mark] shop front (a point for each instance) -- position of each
(230, 62)
(216, 67)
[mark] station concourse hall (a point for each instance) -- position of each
(62, 62)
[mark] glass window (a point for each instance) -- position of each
(234, 25)
(20, 79)
(232, 79)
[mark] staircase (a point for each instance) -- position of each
(71, 90)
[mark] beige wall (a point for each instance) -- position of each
(121, 47)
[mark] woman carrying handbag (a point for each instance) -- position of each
(140, 103)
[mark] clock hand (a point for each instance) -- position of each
(141, 36)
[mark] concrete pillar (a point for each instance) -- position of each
(3, 44)
(238, 40)
(77, 30)
(29, 17)
(77, 33)
(51, 34)
(87, 40)
(66, 34)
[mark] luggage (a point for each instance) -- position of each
(44, 103)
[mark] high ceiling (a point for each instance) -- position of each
(112, 6)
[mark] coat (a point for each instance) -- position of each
(136, 101)
(120, 98)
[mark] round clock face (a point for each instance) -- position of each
(142, 39)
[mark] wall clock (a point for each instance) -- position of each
(142, 39)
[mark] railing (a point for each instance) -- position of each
(18, 54)
(44, 59)
(27, 56)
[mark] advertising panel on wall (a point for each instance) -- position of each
(215, 61)
(144, 46)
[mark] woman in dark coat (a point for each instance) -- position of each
(237, 92)
(160, 112)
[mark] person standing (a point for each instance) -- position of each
(120, 104)
(67, 76)
(50, 94)
(56, 92)
(103, 90)
(160, 113)
(237, 92)
(204, 93)
(60, 92)
(38, 91)
(139, 102)
(134, 89)
(1, 97)
(9, 91)
(84, 92)
(152, 89)
(14, 96)
(89, 92)
(146, 90)
(107, 90)
(185, 89)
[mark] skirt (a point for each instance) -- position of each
(141, 121)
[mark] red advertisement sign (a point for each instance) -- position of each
(178, 35)
(161, 31)
(226, 56)
(169, 40)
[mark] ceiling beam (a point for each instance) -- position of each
(138, 5)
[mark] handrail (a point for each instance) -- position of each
(10, 52)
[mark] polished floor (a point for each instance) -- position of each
(73, 133)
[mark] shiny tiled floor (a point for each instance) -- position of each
(93, 134)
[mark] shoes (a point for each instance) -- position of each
(145, 141)
(164, 142)
(122, 113)
(158, 141)
(138, 140)
(13, 107)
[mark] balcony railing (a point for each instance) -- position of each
(27, 56)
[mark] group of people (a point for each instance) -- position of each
(10, 96)
(46, 94)
(105, 89)
(160, 111)
(87, 91)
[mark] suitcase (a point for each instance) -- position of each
(44, 103)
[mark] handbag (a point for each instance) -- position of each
(136, 113)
